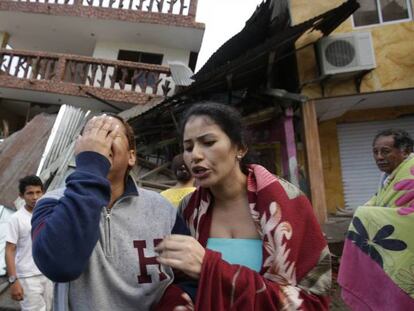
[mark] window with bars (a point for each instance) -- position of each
(373, 12)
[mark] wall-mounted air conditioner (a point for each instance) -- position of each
(346, 53)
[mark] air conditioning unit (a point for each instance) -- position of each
(345, 53)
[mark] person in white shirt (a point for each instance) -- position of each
(28, 285)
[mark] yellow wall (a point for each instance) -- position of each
(330, 151)
(394, 50)
(393, 46)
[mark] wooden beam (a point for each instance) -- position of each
(152, 184)
(154, 171)
(171, 182)
(314, 160)
(261, 116)
(147, 164)
(150, 148)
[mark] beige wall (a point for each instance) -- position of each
(393, 48)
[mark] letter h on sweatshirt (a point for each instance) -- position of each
(140, 245)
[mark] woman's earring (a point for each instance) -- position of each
(239, 157)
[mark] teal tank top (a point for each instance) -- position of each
(245, 252)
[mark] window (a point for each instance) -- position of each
(373, 12)
(140, 57)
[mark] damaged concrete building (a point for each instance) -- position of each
(93, 55)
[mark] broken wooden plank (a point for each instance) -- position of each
(154, 171)
(147, 164)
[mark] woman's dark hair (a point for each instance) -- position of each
(402, 140)
(226, 117)
(181, 171)
(30, 180)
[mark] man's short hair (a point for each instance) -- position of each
(402, 140)
(30, 180)
(129, 131)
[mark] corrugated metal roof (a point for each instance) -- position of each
(140, 109)
(67, 126)
(250, 67)
(181, 74)
(20, 155)
(238, 65)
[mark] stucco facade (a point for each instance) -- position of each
(392, 47)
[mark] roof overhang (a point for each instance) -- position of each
(21, 97)
(74, 32)
(249, 69)
(336, 107)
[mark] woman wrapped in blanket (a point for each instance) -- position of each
(255, 244)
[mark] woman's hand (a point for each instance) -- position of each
(181, 252)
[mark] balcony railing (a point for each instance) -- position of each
(177, 7)
(86, 71)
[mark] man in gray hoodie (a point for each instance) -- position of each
(98, 233)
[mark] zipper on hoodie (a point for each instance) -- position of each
(107, 229)
(107, 243)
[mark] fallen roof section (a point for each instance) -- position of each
(229, 70)
(140, 109)
(242, 71)
(20, 155)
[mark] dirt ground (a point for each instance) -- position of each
(337, 304)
